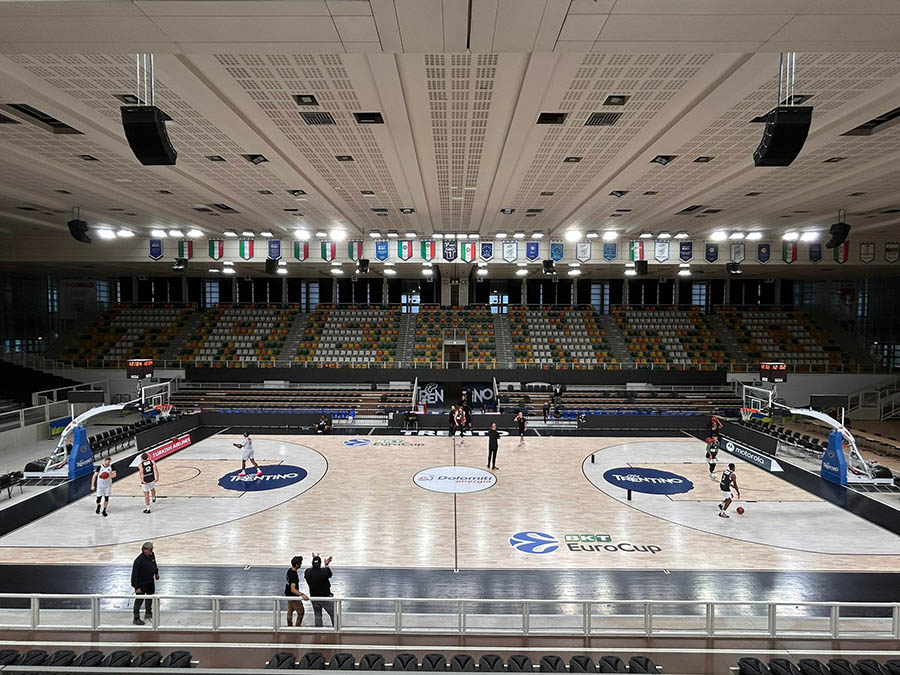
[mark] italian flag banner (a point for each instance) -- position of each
(636, 250)
(429, 249)
(355, 249)
(216, 248)
(328, 251)
(789, 251)
(301, 250)
(842, 252)
(467, 251)
(186, 249)
(404, 249)
(245, 248)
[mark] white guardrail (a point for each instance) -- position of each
(462, 616)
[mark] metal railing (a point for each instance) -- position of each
(53, 395)
(461, 616)
(26, 417)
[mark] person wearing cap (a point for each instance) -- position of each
(318, 579)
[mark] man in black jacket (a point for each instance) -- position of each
(318, 579)
(144, 575)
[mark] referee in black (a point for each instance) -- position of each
(493, 443)
(144, 575)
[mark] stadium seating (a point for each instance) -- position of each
(240, 334)
(18, 383)
(838, 666)
(434, 324)
(128, 331)
(93, 658)
(552, 337)
(674, 336)
(336, 401)
(351, 337)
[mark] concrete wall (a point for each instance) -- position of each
(799, 386)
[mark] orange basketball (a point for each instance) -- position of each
(740, 510)
(104, 475)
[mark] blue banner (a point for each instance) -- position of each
(815, 252)
(686, 251)
(712, 253)
(834, 464)
(81, 459)
(609, 251)
(557, 251)
(274, 249)
(487, 250)
(763, 252)
(533, 250)
(156, 249)
(450, 250)
(381, 249)
(57, 426)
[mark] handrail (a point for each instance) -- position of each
(518, 616)
(82, 386)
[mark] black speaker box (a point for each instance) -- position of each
(785, 134)
(363, 264)
(78, 229)
(641, 267)
(271, 266)
(145, 129)
(548, 267)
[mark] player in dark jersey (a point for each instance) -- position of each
(149, 475)
(453, 422)
(712, 451)
(522, 425)
(727, 485)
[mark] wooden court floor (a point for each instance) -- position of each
(367, 512)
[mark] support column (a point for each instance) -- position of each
(464, 292)
(284, 298)
(184, 296)
(445, 292)
(625, 291)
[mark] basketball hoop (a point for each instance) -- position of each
(164, 410)
(748, 413)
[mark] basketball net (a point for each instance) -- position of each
(748, 413)
(164, 410)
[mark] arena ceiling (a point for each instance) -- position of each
(460, 86)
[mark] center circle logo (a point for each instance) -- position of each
(357, 442)
(534, 542)
(454, 479)
(273, 477)
(652, 481)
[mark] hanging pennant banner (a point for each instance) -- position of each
(510, 251)
(468, 251)
(329, 251)
(381, 249)
(789, 251)
(661, 251)
(274, 249)
(533, 250)
(449, 250)
(429, 250)
(842, 253)
(156, 249)
(866, 252)
(686, 251)
(405, 249)
(487, 250)
(712, 253)
(245, 248)
(186, 249)
(583, 251)
(738, 252)
(892, 251)
(557, 250)
(609, 251)
(636, 250)
(301, 250)
(216, 248)
(763, 252)
(355, 249)
(815, 253)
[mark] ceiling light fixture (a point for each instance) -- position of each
(681, 235)
(573, 235)
(427, 271)
(338, 234)
(281, 270)
(610, 235)
(754, 236)
(790, 236)
(574, 273)
(105, 233)
(176, 233)
(393, 234)
(664, 235)
(500, 235)
(266, 233)
(124, 234)
(375, 234)
(662, 160)
(160, 234)
(736, 235)
(228, 263)
(230, 233)
(321, 234)
(540, 235)
(809, 236)
(645, 235)
(630, 273)
(228, 270)
(302, 235)
(482, 271)
(521, 272)
(390, 272)
(518, 235)
(410, 235)
(214, 270)
(719, 235)
(684, 273)
(337, 270)
(194, 233)
(248, 233)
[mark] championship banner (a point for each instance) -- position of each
(449, 250)
(245, 248)
(866, 252)
(405, 249)
(533, 250)
(216, 248)
(467, 251)
(329, 251)
(557, 250)
(487, 250)
(274, 249)
(892, 251)
(763, 252)
(712, 253)
(355, 249)
(609, 251)
(686, 251)
(301, 250)
(738, 252)
(583, 251)
(636, 250)
(815, 253)
(156, 249)
(429, 250)
(661, 251)
(186, 249)
(381, 249)
(510, 251)
(789, 251)
(842, 252)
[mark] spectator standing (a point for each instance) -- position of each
(144, 575)
(318, 579)
(292, 590)
(522, 423)
(493, 444)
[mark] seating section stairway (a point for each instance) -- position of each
(552, 337)
(128, 331)
(475, 325)
(674, 336)
(235, 335)
(351, 337)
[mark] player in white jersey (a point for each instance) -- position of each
(101, 481)
(247, 455)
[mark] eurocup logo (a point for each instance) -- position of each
(534, 542)
(357, 442)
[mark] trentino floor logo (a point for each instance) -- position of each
(273, 477)
(534, 542)
(357, 442)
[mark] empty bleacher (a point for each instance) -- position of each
(553, 337)
(475, 325)
(681, 337)
(240, 334)
(18, 383)
(351, 337)
(128, 331)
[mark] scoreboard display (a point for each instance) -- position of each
(773, 372)
(139, 369)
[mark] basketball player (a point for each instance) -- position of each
(102, 482)
(149, 475)
(523, 425)
(247, 447)
(712, 450)
(452, 421)
(493, 443)
(728, 482)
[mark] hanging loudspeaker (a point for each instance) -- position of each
(785, 134)
(145, 129)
